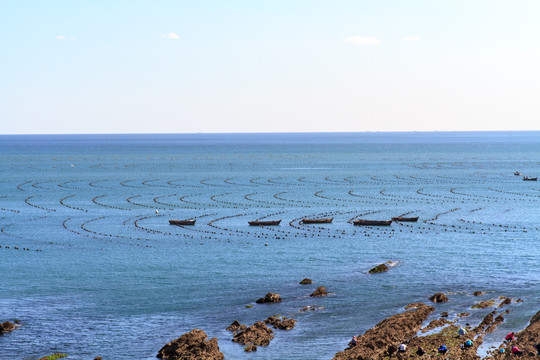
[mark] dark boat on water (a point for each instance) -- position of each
(317, 221)
(526, 178)
(405, 219)
(361, 222)
(182, 222)
(517, 173)
(264, 222)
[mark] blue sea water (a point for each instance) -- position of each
(105, 274)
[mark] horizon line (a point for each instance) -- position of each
(272, 132)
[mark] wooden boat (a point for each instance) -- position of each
(405, 219)
(182, 222)
(526, 178)
(317, 221)
(264, 222)
(361, 222)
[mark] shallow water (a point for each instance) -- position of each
(106, 275)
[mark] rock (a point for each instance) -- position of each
(306, 281)
(320, 291)
(439, 298)
(436, 323)
(389, 332)
(98, 358)
(486, 321)
(250, 348)
(444, 314)
(269, 298)
(519, 300)
(7, 326)
(506, 301)
(192, 346)
(281, 323)
(236, 326)
(463, 314)
(479, 293)
(257, 334)
(379, 269)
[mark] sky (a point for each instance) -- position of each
(268, 66)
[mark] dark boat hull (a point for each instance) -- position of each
(530, 179)
(361, 222)
(317, 221)
(405, 219)
(182, 222)
(264, 223)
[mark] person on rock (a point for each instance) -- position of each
(515, 350)
(391, 349)
(461, 332)
(354, 341)
(468, 344)
(509, 337)
(402, 348)
(420, 351)
(442, 349)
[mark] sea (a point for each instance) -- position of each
(90, 266)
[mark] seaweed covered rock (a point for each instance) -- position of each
(7, 326)
(379, 269)
(191, 346)
(306, 281)
(320, 291)
(478, 293)
(236, 326)
(269, 298)
(279, 322)
(257, 334)
(439, 298)
(483, 304)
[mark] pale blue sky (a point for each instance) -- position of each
(255, 66)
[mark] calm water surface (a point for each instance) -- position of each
(105, 274)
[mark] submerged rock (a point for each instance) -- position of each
(257, 334)
(439, 298)
(320, 291)
(379, 269)
(191, 346)
(306, 281)
(479, 293)
(311, 308)
(269, 298)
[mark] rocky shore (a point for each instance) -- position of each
(398, 337)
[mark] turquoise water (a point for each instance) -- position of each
(105, 274)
